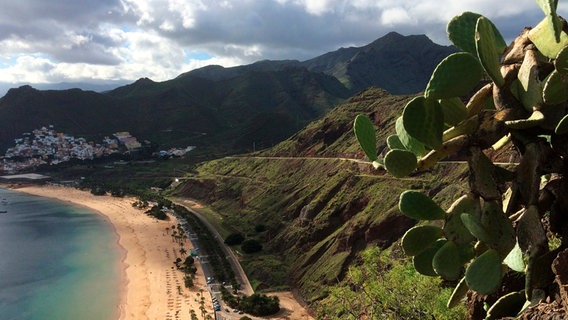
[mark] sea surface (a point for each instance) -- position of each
(57, 261)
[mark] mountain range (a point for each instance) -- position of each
(227, 110)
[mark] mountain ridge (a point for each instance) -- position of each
(227, 110)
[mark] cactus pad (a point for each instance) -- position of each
(549, 8)
(408, 141)
(514, 259)
(416, 205)
(393, 142)
(400, 163)
(546, 41)
(507, 306)
(454, 229)
(474, 226)
(561, 61)
(461, 31)
(454, 111)
(484, 273)
(487, 51)
(454, 76)
(555, 88)
(447, 262)
(530, 91)
(458, 294)
(419, 238)
(423, 119)
(423, 261)
(562, 127)
(365, 133)
(498, 227)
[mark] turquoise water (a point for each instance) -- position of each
(57, 261)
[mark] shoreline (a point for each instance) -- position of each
(150, 286)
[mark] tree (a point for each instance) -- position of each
(234, 239)
(98, 191)
(513, 215)
(251, 246)
(259, 228)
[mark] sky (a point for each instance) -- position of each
(103, 41)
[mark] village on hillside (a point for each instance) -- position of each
(46, 146)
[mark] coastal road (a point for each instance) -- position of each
(240, 274)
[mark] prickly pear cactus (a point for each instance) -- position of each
(505, 224)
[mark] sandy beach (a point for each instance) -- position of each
(152, 287)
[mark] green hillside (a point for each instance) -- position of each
(319, 212)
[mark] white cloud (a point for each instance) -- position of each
(395, 16)
(129, 39)
(187, 10)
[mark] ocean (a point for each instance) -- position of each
(57, 261)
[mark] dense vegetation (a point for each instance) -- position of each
(256, 304)
(383, 285)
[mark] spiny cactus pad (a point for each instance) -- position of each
(475, 227)
(555, 88)
(546, 41)
(419, 238)
(508, 305)
(458, 294)
(461, 32)
(408, 141)
(487, 50)
(454, 76)
(484, 273)
(447, 262)
(454, 229)
(498, 227)
(561, 61)
(514, 259)
(416, 205)
(423, 261)
(454, 111)
(393, 142)
(562, 127)
(400, 163)
(365, 133)
(423, 119)
(530, 91)
(549, 8)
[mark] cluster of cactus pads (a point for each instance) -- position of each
(521, 100)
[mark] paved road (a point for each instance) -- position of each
(240, 274)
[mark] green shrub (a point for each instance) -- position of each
(251, 246)
(383, 287)
(234, 239)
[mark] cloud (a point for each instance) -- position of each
(129, 39)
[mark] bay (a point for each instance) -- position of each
(58, 261)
